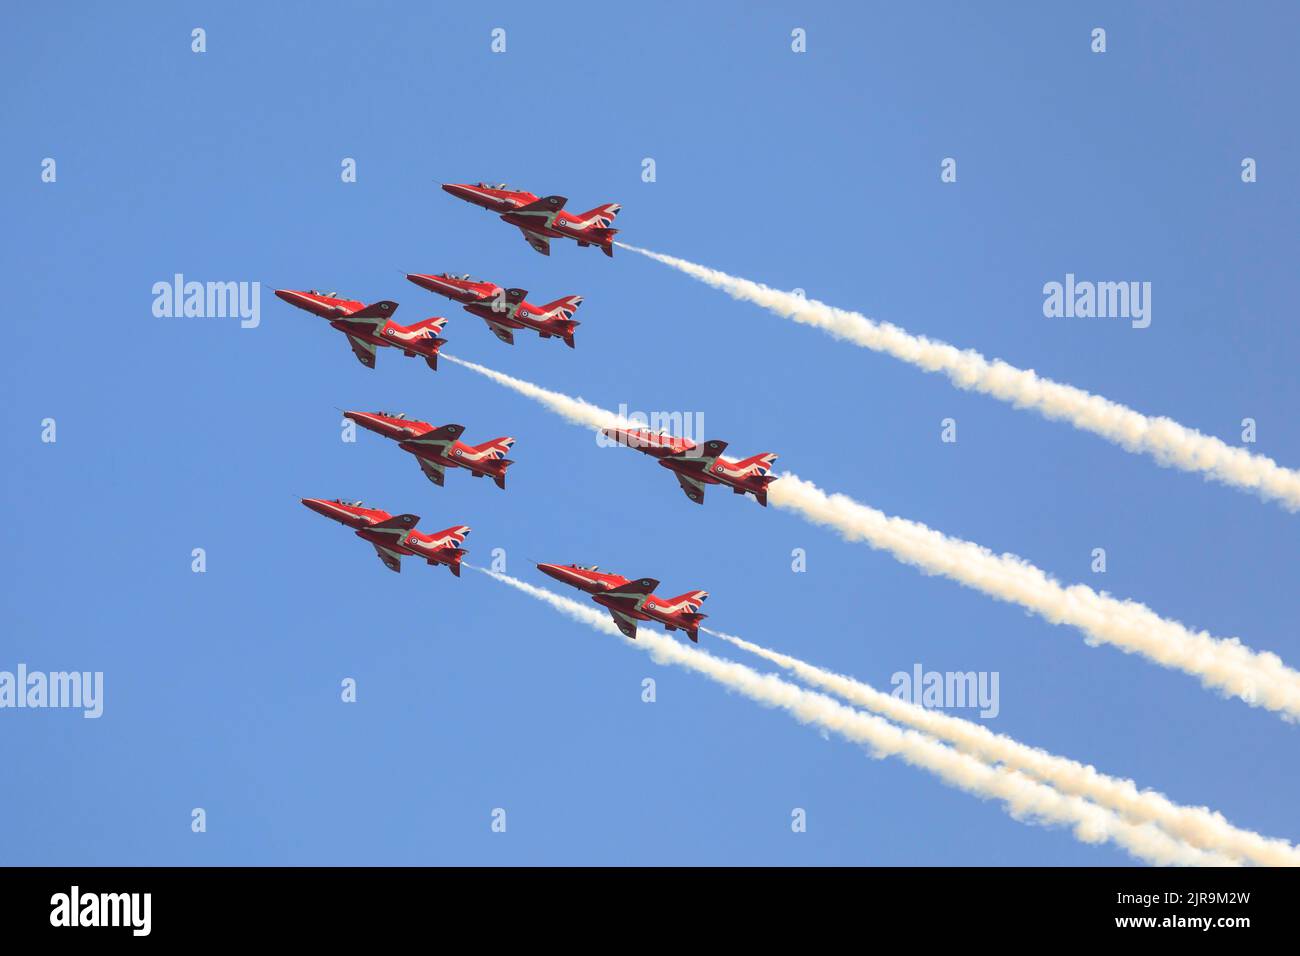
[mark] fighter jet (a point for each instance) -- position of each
(505, 310)
(698, 466)
(437, 449)
(541, 220)
(395, 536)
(370, 326)
(630, 601)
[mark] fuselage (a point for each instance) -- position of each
(450, 454)
(459, 288)
(652, 443)
(374, 525)
(420, 338)
(489, 301)
(652, 608)
(499, 198)
(350, 513)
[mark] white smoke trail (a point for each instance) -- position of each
(1025, 799)
(1162, 438)
(576, 410)
(1199, 826)
(1259, 678)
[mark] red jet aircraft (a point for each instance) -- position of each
(697, 466)
(505, 310)
(392, 536)
(437, 449)
(632, 601)
(370, 326)
(542, 220)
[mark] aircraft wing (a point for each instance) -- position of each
(694, 489)
(514, 299)
(439, 440)
(537, 241)
(435, 473)
(392, 560)
(625, 624)
(364, 351)
(375, 316)
(501, 332)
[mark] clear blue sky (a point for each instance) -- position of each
(818, 170)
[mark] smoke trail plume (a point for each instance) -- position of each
(1024, 799)
(1227, 665)
(1168, 442)
(576, 410)
(1199, 826)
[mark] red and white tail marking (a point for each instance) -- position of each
(602, 216)
(689, 602)
(496, 448)
(451, 537)
(433, 325)
(758, 464)
(562, 308)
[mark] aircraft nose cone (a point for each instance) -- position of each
(316, 505)
(365, 420)
(285, 295)
(456, 189)
(552, 570)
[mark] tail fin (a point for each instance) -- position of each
(497, 446)
(603, 215)
(434, 324)
(563, 308)
(760, 464)
(456, 533)
(690, 601)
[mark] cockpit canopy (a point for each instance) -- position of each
(593, 567)
(399, 415)
(328, 295)
(351, 504)
(497, 186)
(463, 277)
